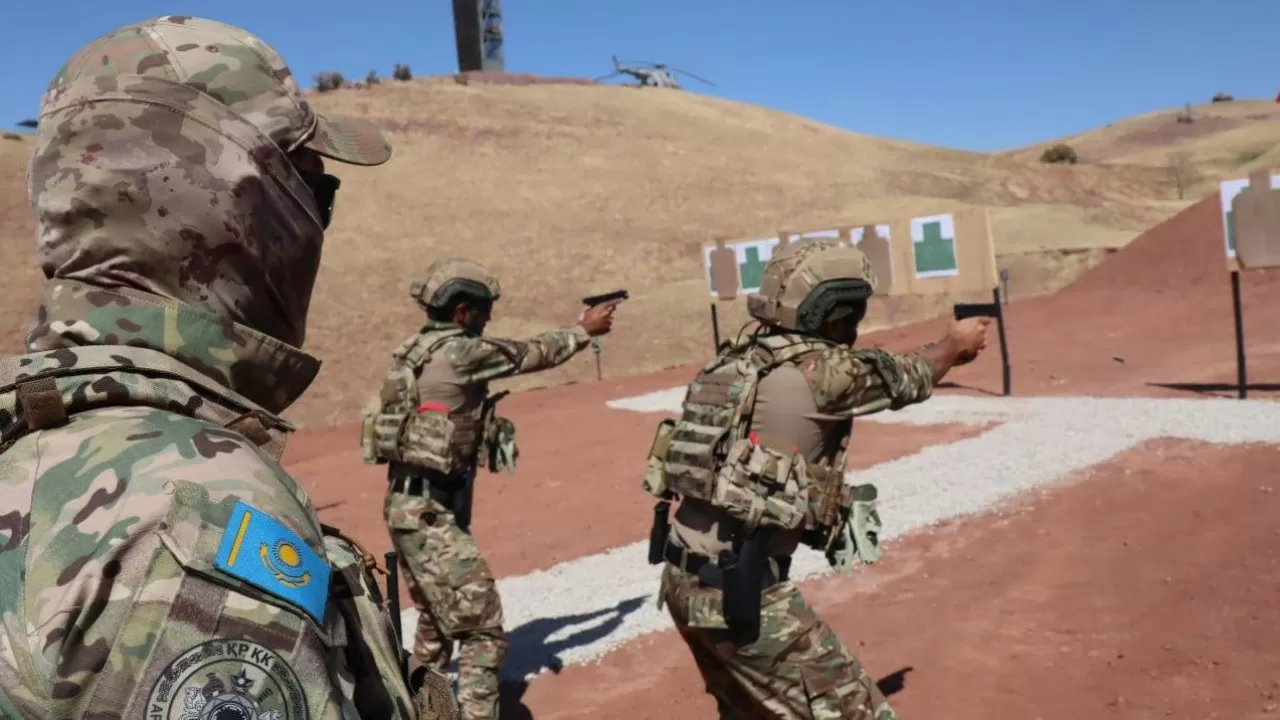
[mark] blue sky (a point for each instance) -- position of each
(978, 75)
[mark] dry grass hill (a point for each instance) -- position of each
(569, 189)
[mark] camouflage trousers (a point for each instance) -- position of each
(797, 669)
(456, 596)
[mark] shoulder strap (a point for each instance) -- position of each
(41, 390)
(417, 349)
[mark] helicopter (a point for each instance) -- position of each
(655, 75)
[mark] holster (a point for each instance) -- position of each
(659, 532)
(462, 502)
(744, 577)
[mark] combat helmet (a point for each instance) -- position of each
(805, 281)
(452, 278)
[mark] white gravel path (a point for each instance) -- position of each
(579, 610)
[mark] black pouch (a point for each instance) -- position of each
(744, 574)
(658, 532)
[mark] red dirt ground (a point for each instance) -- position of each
(1146, 590)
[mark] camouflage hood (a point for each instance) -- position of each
(166, 220)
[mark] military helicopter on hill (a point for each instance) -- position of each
(654, 75)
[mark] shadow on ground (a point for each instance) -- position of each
(894, 682)
(531, 649)
(1219, 388)
(961, 386)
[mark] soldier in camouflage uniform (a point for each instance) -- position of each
(155, 559)
(433, 424)
(757, 462)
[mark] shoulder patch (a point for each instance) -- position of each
(884, 363)
(263, 552)
(225, 678)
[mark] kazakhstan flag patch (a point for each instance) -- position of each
(263, 552)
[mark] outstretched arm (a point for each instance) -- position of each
(861, 382)
(479, 359)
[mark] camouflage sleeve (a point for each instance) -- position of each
(866, 381)
(171, 570)
(478, 359)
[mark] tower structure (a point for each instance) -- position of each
(477, 29)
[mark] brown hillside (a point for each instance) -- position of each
(565, 190)
(1228, 138)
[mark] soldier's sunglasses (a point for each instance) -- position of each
(325, 189)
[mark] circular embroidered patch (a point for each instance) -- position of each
(227, 680)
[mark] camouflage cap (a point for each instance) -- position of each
(805, 281)
(453, 276)
(236, 68)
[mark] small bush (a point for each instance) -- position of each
(401, 72)
(327, 81)
(11, 136)
(1249, 156)
(1058, 154)
(1223, 97)
(372, 78)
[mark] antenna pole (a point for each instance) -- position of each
(477, 29)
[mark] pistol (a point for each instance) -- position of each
(968, 310)
(595, 300)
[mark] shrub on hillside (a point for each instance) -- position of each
(401, 72)
(1223, 97)
(1059, 153)
(327, 81)
(372, 78)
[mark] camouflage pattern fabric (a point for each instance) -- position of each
(155, 559)
(456, 596)
(866, 380)
(212, 213)
(480, 358)
(797, 669)
(450, 582)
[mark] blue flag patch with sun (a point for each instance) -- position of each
(263, 552)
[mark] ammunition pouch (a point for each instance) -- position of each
(655, 473)
(368, 439)
(428, 441)
(384, 431)
(754, 484)
(761, 487)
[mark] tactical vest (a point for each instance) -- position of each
(398, 427)
(711, 453)
(74, 380)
